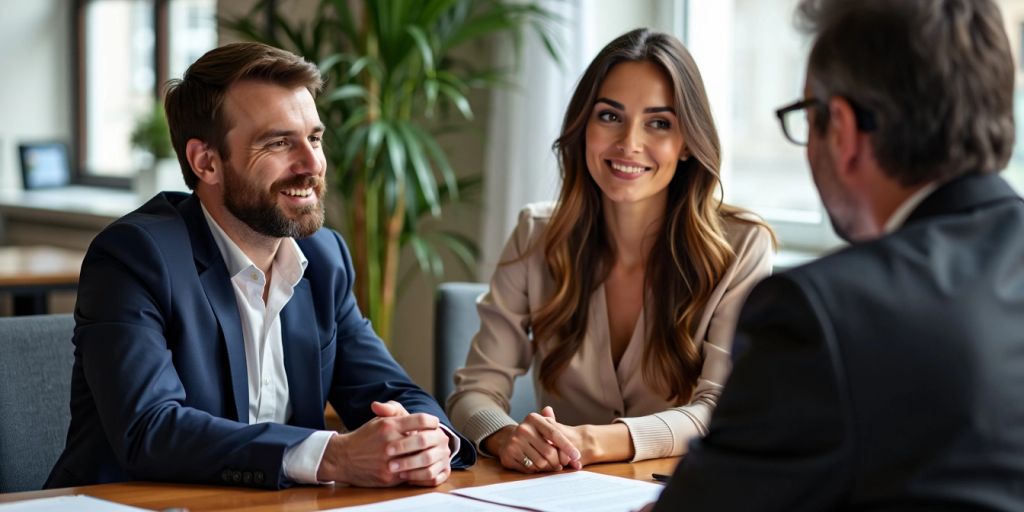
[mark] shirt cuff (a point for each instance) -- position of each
(454, 442)
(302, 461)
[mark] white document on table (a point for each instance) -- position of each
(569, 492)
(80, 503)
(431, 502)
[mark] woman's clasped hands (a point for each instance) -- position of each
(539, 444)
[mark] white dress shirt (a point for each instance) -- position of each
(264, 353)
(899, 216)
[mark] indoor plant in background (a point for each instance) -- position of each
(393, 81)
(159, 169)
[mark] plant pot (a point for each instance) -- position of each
(164, 175)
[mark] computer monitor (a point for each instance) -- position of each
(44, 165)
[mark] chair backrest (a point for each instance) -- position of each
(36, 356)
(455, 323)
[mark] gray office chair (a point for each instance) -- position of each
(455, 323)
(36, 356)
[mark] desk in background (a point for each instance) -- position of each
(67, 216)
(201, 497)
(64, 217)
(30, 273)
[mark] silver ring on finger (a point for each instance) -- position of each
(526, 462)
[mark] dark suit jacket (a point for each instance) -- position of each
(159, 387)
(888, 376)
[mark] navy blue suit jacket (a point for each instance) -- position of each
(159, 388)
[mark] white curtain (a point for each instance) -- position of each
(524, 121)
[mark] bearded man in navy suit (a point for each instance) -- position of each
(213, 327)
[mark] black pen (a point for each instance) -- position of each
(660, 477)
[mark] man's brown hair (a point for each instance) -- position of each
(937, 75)
(194, 103)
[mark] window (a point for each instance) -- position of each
(120, 80)
(125, 52)
(753, 61)
(1013, 17)
(192, 27)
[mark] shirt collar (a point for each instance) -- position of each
(289, 258)
(899, 216)
(290, 261)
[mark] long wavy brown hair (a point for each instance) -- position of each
(690, 254)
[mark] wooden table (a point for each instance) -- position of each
(29, 273)
(202, 497)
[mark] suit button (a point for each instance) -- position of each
(258, 477)
(225, 475)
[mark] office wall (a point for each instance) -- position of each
(604, 20)
(35, 87)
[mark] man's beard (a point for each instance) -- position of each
(839, 228)
(260, 211)
(832, 195)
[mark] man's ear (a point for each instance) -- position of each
(843, 137)
(204, 160)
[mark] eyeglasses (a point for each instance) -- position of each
(796, 126)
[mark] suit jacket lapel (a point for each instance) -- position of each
(213, 273)
(302, 358)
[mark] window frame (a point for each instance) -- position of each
(794, 228)
(80, 174)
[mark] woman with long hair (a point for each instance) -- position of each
(624, 294)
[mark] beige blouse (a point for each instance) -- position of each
(592, 390)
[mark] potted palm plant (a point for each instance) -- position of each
(393, 77)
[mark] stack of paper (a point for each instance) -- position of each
(566, 492)
(80, 503)
(432, 502)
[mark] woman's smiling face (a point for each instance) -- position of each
(634, 141)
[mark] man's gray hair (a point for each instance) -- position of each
(936, 75)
